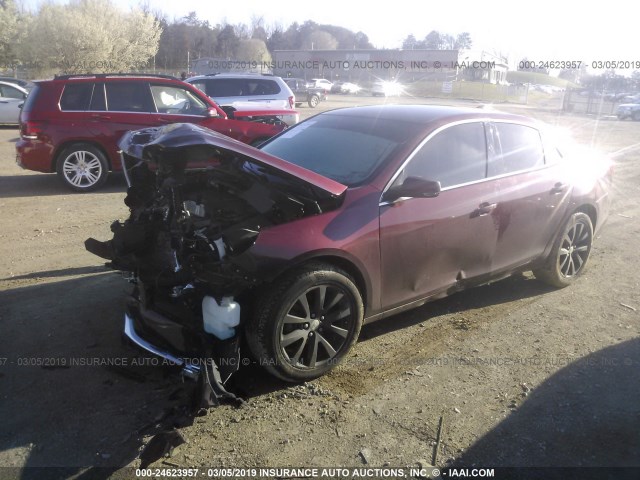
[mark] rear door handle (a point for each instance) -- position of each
(486, 208)
(558, 188)
(100, 117)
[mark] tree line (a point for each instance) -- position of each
(95, 35)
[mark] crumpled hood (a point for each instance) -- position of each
(196, 144)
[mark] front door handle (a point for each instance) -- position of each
(558, 188)
(100, 117)
(485, 208)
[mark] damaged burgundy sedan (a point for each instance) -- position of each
(351, 216)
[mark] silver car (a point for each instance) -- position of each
(12, 98)
(628, 110)
(249, 91)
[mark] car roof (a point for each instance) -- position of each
(234, 75)
(15, 85)
(427, 114)
(110, 77)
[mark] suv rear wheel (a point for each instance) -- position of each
(314, 100)
(82, 167)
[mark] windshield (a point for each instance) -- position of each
(346, 148)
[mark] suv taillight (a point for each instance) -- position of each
(292, 101)
(30, 130)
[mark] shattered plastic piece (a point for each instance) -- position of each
(365, 454)
(211, 391)
(160, 446)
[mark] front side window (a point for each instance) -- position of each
(129, 97)
(518, 148)
(9, 92)
(452, 157)
(177, 100)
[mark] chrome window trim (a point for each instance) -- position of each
(484, 121)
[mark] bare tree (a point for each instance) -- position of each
(8, 30)
(320, 40)
(253, 50)
(91, 36)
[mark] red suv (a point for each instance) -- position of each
(72, 124)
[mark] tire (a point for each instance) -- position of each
(82, 167)
(570, 252)
(314, 100)
(306, 322)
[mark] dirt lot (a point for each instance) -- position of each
(521, 375)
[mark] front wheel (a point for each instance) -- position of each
(82, 167)
(306, 322)
(570, 252)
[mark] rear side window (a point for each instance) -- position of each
(453, 156)
(129, 97)
(238, 87)
(76, 97)
(519, 147)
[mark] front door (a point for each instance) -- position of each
(429, 245)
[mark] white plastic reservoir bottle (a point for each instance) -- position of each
(220, 320)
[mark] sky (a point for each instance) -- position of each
(540, 30)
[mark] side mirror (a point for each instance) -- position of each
(211, 113)
(415, 187)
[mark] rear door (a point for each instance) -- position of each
(429, 245)
(119, 106)
(533, 195)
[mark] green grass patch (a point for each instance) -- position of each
(539, 79)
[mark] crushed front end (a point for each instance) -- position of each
(198, 201)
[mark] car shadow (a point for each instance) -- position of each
(63, 272)
(62, 341)
(516, 287)
(585, 415)
(43, 184)
(75, 397)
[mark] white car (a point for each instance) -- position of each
(247, 91)
(387, 89)
(320, 83)
(12, 98)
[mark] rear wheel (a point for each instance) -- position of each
(82, 167)
(306, 323)
(570, 253)
(314, 101)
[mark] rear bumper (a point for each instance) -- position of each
(34, 155)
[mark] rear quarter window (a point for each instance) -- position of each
(32, 98)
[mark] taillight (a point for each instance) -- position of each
(31, 130)
(292, 101)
